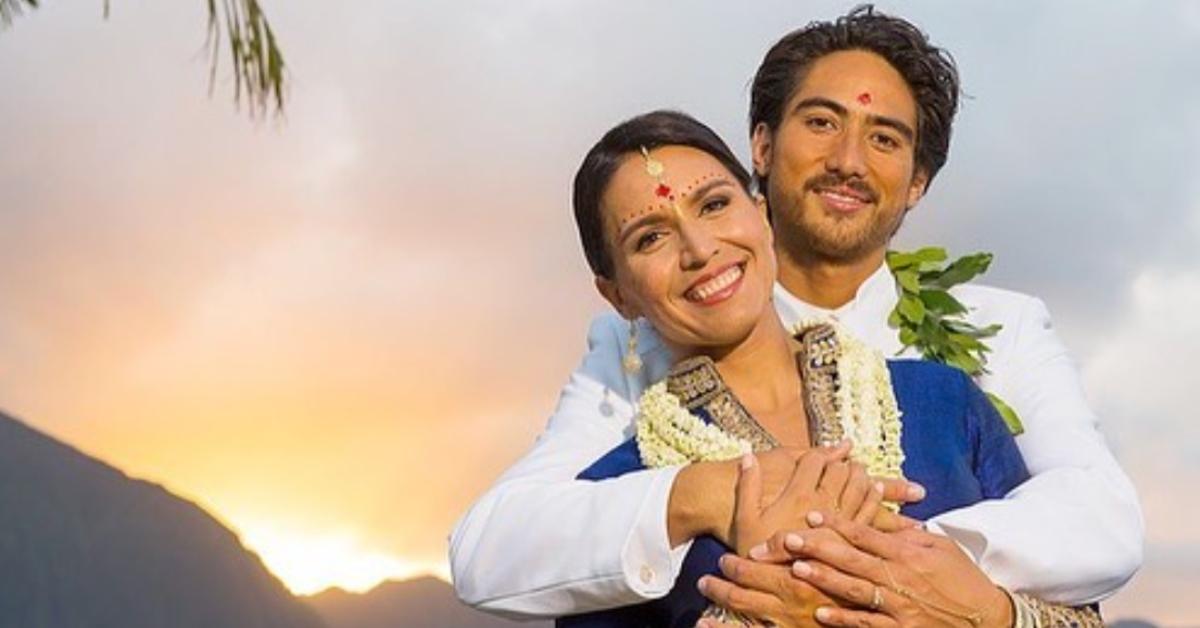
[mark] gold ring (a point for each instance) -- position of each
(877, 599)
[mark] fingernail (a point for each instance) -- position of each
(723, 562)
(703, 584)
(815, 518)
(793, 541)
(747, 461)
(801, 569)
(822, 614)
(916, 492)
(879, 487)
(758, 552)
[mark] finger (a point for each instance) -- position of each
(747, 498)
(901, 491)
(923, 538)
(775, 549)
(869, 509)
(833, 482)
(888, 521)
(763, 577)
(840, 451)
(827, 546)
(833, 616)
(860, 536)
(858, 486)
(807, 474)
(737, 598)
(836, 584)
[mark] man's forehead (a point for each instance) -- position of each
(858, 79)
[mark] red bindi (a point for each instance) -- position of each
(663, 189)
(864, 98)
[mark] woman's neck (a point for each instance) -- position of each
(761, 370)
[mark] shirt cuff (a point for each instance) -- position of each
(649, 562)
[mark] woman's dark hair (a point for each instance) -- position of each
(650, 130)
(929, 71)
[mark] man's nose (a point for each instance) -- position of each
(849, 156)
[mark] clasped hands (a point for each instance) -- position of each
(821, 550)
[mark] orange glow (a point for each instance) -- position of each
(310, 562)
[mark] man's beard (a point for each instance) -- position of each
(824, 235)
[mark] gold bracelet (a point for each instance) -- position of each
(975, 619)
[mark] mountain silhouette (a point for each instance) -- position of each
(419, 603)
(82, 545)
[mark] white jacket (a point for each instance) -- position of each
(540, 543)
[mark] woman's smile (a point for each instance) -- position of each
(716, 287)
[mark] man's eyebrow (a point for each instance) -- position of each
(899, 126)
(820, 101)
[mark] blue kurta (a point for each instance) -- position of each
(955, 445)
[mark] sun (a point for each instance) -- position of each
(308, 563)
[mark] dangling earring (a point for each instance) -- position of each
(632, 362)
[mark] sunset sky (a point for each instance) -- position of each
(334, 329)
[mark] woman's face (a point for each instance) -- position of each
(691, 249)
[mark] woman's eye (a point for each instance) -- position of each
(647, 239)
(714, 204)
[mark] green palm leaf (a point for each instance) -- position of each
(259, 71)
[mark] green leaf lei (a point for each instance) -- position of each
(931, 319)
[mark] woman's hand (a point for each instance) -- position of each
(703, 494)
(817, 481)
(822, 480)
(906, 578)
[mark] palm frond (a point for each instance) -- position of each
(259, 71)
(13, 8)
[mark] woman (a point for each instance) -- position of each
(674, 236)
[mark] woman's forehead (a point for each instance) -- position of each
(637, 185)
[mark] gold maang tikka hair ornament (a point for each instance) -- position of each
(656, 169)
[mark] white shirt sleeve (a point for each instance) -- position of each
(539, 542)
(1073, 532)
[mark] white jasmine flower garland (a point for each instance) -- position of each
(667, 434)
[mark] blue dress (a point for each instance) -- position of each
(955, 445)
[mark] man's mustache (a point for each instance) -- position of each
(833, 181)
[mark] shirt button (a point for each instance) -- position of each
(646, 574)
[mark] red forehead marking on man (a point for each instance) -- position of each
(864, 98)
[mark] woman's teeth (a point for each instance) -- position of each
(715, 285)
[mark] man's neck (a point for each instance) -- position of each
(826, 283)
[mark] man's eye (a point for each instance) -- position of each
(646, 240)
(886, 141)
(819, 123)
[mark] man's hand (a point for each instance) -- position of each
(763, 591)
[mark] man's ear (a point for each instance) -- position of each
(612, 293)
(916, 187)
(760, 149)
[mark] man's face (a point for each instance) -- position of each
(841, 164)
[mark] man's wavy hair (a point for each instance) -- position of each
(929, 71)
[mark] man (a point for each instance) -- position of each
(850, 122)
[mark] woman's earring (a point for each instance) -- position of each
(632, 362)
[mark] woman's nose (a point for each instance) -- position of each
(699, 245)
